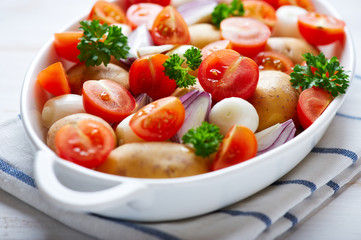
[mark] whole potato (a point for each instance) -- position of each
(203, 34)
(274, 99)
(154, 160)
(71, 119)
(291, 47)
(81, 73)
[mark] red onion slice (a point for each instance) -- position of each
(197, 11)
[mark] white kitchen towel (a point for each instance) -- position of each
(265, 215)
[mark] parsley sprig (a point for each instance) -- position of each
(320, 72)
(205, 139)
(174, 70)
(100, 42)
(223, 11)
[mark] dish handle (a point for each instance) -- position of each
(54, 190)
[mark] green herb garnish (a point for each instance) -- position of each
(205, 139)
(174, 70)
(322, 73)
(223, 11)
(100, 42)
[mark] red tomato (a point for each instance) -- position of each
(215, 46)
(306, 4)
(54, 79)
(248, 36)
(159, 2)
(159, 120)
(170, 28)
(270, 60)
(261, 11)
(87, 143)
(107, 12)
(311, 104)
(225, 73)
(239, 145)
(66, 45)
(146, 76)
(320, 29)
(108, 100)
(143, 13)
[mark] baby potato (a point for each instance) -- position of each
(154, 160)
(71, 119)
(203, 34)
(274, 99)
(80, 73)
(291, 47)
(125, 134)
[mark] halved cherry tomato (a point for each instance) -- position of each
(239, 145)
(225, 73)
(306, 4)
(66, 43)
(311, 104)
(54, 79)
(270, 60)
(261, 11)
(146, 76)
(87, 143)
(320, 29)
(159, 2)
(107, 12)
(143, 13)
(215, 46)
(170, 28)
(248, 36)
(108, 100)
(159, 120)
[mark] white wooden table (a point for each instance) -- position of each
(25, 25)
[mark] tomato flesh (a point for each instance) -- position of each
(159, 2)
(261, 11)
(107, 12)
(54, 79)
(215, 46)
(311, 104)
(248, 36)
(108, 100)
(66, 45)
(159, 120)
(239, 145)
(169, 27)
(225, 73)
(306, 4)
(270, 60)
(87, 143)
(320, 29)
(146, 76)
(143, 13)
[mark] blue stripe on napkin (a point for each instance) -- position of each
(333, 185)
(292, 218)
(306, 183)
(341, 151)
(12, 171)
(348, 116)
(261, 216)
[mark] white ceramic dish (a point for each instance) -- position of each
(73, 187)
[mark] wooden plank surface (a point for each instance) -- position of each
(26, 25)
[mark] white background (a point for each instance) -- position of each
(25, 25)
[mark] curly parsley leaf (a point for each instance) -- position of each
(223, 11)
(100, 42)
(205, 139)
(320, 72)
(174, 70)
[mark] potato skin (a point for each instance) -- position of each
(293, 48)
(274, 99)
(154, 160)
(73, 118)
(80, 73)
(203, 33)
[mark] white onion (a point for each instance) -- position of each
(199, 11)
(286, 25)
(125, 134)
(61, 106)
(148, 50)
(231, 111)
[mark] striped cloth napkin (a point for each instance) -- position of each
(265, 215)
